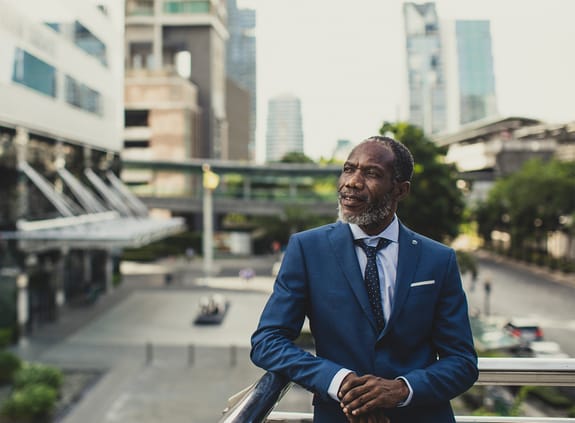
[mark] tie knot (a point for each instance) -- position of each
(372, 251)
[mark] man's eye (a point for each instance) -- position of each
(372, 173)
(347, 169)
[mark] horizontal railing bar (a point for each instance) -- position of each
(496, 419)
(292, 417)
(526, 371)
(492, 371)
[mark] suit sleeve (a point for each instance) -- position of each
(455, 370)
(280, 324)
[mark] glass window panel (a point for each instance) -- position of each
(34, 73)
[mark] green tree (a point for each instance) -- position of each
(530, 203)
(435, 205)
(296, 157)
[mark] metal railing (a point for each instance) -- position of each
(255, 404)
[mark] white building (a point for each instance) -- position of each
(284, 127)
(64, 214)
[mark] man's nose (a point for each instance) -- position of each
(355, 179)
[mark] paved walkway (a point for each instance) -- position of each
(157, 365)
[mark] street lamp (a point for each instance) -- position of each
(210, 183)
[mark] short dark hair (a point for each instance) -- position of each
(403, 160)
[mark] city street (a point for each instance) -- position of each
(517, 292)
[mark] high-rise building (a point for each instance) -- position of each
(189, 36)
(241, 64)
(64, 213)
(475, 70)
(284, 127)
(426, 79)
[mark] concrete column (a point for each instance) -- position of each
(60, 278)
(247, 188)
(21, 141)
(292, 188)
(158, 41)
(87, 266)
(109, 272)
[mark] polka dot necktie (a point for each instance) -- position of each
(371, 278)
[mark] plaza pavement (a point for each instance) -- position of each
(157, 366)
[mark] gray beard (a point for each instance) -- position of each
(374, 214)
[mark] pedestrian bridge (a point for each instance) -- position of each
(253, 189)
(257, 402)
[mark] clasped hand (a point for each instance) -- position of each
(364, 398)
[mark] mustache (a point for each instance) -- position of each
(351, 194)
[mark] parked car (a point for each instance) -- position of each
(526, 330)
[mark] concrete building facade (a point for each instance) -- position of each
(65, 215)
(168, 35)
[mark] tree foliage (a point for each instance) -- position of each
(537, 199)
(435, 204)
(296, 157)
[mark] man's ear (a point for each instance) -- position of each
(402, 189)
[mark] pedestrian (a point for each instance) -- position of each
(385, 305)
(247, 274)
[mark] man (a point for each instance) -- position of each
(402, 351)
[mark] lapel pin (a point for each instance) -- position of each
(414, 241)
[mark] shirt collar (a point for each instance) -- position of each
(391, 232)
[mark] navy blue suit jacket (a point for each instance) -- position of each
(427, 339)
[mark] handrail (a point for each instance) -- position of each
(255, 403)
(289, 417)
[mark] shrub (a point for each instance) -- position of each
(9, 365)
(35, 373)
(30, 402)
(5, 337)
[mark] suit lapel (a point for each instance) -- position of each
(341, 241)
(409, 251)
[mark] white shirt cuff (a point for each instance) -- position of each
(335, 384)
(408, 399)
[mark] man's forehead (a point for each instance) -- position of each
(371, 151)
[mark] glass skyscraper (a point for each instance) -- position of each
(475, 70)
(284, 127)
(241, 57)
(426, 80)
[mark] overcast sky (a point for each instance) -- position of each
(346, 62)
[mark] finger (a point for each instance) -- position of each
(360, 399)
(350, 382)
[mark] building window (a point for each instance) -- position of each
(88, 42)
(83, 97)
(141, 56)
(34, 73)
(135, 118)
(55, 26)
(137, 144)
(140, 8)
(186, 6)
